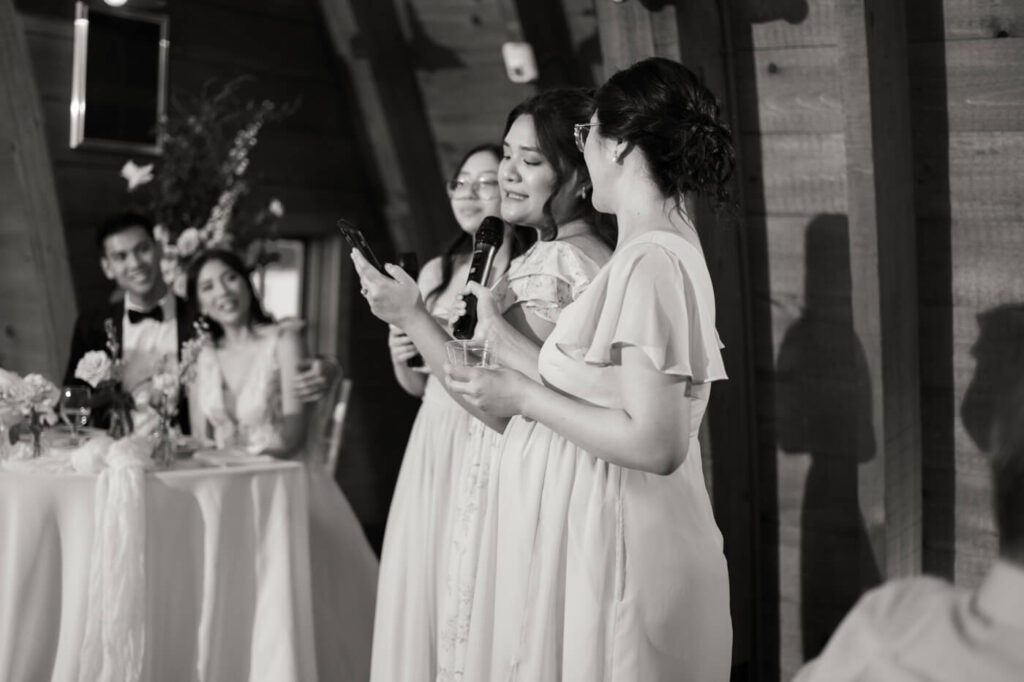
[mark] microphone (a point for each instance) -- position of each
(486, 243)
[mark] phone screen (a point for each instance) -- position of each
(357, 241)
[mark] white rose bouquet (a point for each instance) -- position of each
(31, 401)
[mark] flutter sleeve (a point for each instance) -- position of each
(657, 301)
(547, 278)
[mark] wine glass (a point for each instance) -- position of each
(75, 408)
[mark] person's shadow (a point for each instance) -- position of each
(823, 408)
(998, 379)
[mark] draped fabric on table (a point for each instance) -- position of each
(227, 574)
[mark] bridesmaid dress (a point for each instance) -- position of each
(590, 571)
(544, 280)
(416, 540)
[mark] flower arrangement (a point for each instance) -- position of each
(166, 388)
(102, 370)
(27, 403)
(196, 192)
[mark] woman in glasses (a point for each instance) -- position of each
(603, 557)
(415, 540)
(544, 186)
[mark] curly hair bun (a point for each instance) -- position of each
(666, 110)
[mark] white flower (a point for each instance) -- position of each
(36, 392)
(188, 242)
(94, 367)
(276, 208)
(136, 175)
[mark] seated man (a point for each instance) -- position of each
(150, 322)
(924, 628)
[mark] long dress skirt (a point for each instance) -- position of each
(413, 565)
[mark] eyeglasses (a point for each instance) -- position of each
(484, 187)
(580, 132)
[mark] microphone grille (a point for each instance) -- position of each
(491, 232)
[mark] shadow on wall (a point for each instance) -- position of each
(998, 378)
(823, 408)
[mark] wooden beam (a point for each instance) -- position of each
(367, 38)
(628, 32)
(875, 90)
(37, 303)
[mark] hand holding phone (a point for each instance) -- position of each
(357, 241)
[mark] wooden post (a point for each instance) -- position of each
(37, 302)
(367, 38)
(630, 32)
(879, 186)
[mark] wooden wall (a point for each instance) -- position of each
(812, 382)
(316, 162)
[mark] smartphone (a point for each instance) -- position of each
(408, 261)
(357, 241)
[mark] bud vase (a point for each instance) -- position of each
(163, 444)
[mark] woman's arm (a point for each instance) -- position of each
(397, 300)
(294, 412)
(515, 336)
(650, 433)
(401, 347)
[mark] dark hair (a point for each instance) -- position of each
(463, 243)
(1008, 472)
(554, 113)
(256, 313)
(666, 110)
(120, 223)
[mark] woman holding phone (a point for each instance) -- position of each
(544, 185)
(416, 537)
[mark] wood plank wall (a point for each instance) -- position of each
(315, 162)
(966, 116)
(967, 80)
(36, 304)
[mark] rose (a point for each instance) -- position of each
(188, 242)
(40, 395)
(94, 368)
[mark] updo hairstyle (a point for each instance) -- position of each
(664, 109)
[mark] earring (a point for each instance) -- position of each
(583, 191)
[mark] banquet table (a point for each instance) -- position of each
(227, 575)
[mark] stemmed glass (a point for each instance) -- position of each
(75, 408)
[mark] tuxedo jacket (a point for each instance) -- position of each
(90, 334)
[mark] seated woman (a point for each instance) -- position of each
(245, 393)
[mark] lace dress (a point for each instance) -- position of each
(416, 540)
(543, 280)
(342, 563)
(588, 570)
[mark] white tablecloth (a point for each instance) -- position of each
(227, 574)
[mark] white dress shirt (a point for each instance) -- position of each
(147, 347)
(926, 629)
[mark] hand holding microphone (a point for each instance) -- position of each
(486, 243)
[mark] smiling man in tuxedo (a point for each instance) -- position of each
(150, 322)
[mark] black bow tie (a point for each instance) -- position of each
(136, 316)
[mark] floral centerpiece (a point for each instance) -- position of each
(26, 404)
(166, 389)
(102, 370)
(198, 191)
